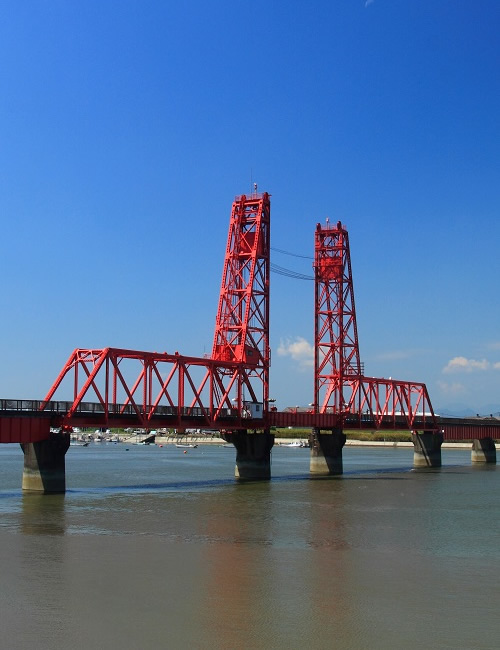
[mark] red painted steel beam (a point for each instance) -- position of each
(24, 429)
(463, 430)
(292, 418)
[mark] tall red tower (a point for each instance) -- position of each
(335, 334)
(242, 322)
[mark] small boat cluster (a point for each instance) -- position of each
(80, 438)
(296, 443)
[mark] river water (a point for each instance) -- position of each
(155, 548)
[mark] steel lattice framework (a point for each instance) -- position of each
(336, 336)
(228, 390)
(242, 322)
(127, 387)
(339, 384)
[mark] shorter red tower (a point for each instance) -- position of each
(335, 335)
(340, 386)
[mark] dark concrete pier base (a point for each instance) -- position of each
(484, 451)
(326, 452)
(253, 454)
(427, 449)
(44, 465)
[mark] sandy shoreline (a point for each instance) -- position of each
(204, 440)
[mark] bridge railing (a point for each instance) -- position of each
(26, 405)
(88, 408)
(280, 419)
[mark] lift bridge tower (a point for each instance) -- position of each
(242, 327)
(336, 345)
(340, 387)
(242, 322)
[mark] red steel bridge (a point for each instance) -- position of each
(229, 390)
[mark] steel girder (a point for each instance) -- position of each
(145, 385)
(388, 403)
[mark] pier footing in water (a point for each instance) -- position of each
(326, 452)
(253, 454)
(427, 449)
(44, 465)
(484, 451)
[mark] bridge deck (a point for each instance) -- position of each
(31, 420)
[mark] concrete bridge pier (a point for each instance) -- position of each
(484, 451)
(427, 448)
(44, 465)
(253, 454)
(326, 452)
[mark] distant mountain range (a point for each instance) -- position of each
(458, 410)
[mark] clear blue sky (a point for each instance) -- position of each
(126, 129)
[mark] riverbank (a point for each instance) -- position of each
(281, 442)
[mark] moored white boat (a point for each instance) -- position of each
(298, 443)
